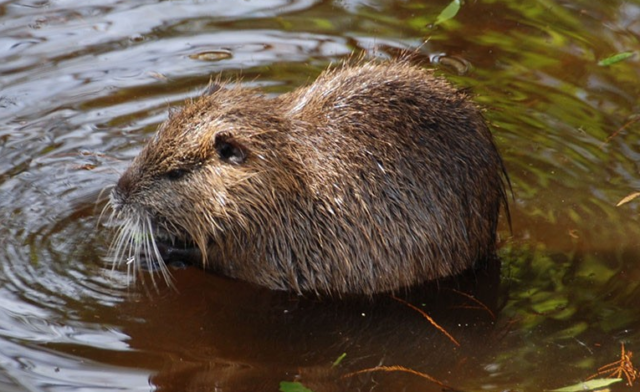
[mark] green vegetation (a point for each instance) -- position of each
(287, 386)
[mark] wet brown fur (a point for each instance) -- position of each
(376, 176)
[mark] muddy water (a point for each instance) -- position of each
(83, 86)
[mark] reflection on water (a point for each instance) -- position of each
(83, 86)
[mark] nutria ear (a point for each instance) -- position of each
(229, 150)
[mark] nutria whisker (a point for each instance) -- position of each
(135, 238)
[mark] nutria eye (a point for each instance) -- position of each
(229, 152)
(176, 174)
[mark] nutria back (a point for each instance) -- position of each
(376, 176)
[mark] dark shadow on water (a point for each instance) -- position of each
(222, 335)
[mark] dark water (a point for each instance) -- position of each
(83, 86)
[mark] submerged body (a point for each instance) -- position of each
(375, 177)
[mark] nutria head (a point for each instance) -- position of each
(374, 177)
(210, 168)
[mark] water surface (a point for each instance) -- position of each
(83, 86)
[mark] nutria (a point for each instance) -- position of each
(375, 177)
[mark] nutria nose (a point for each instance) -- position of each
(123, 188)
(124, 183)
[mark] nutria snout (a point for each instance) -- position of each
(376, 176)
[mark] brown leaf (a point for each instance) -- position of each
(628, 198)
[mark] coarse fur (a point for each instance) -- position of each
(377, 176)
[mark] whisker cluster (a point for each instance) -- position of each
(135, 245)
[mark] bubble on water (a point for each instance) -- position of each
(458, 64)
(211, 55)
